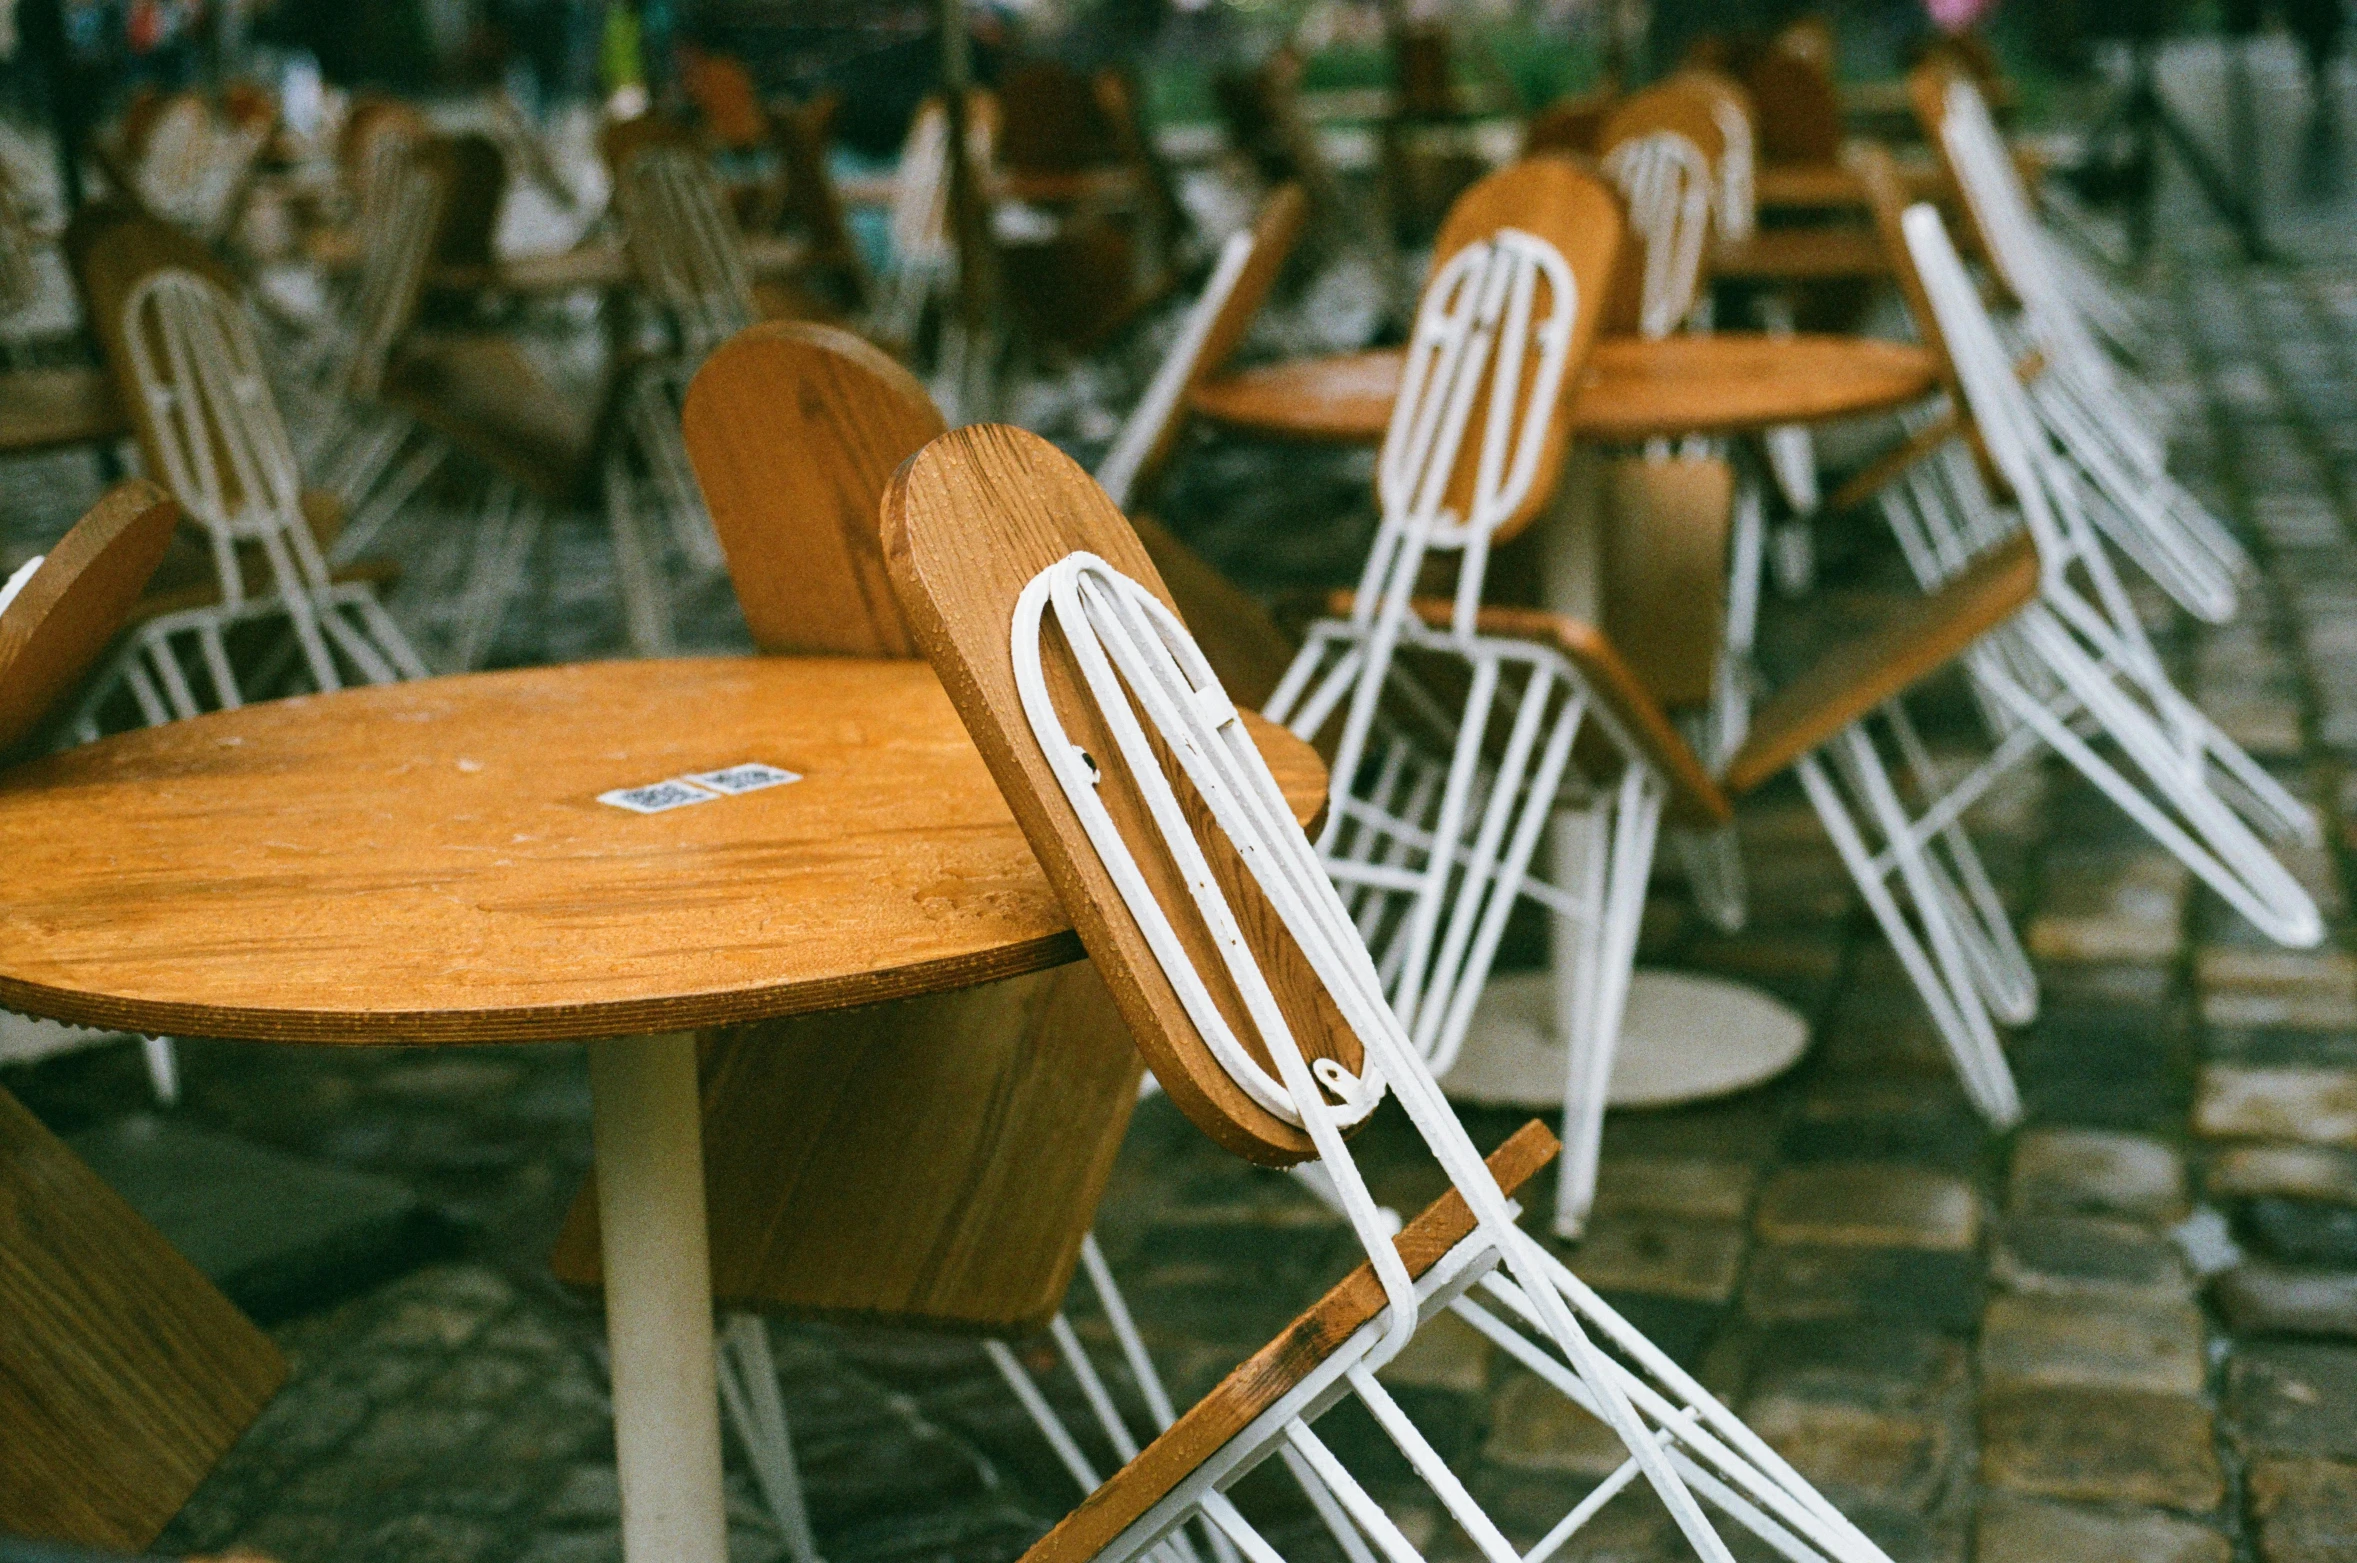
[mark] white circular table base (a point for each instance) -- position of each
(1684, 1038)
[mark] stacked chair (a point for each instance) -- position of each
(1244, 981)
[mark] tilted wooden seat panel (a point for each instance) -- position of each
(1262, 1379)
(1849, 681)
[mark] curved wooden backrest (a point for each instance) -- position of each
(1675, 105)
(1553, 199)
(795, 430)
(1799, 108)
(1886, 198)
(1664, 109)
(1737, 166)
(62, 618)
(967, 524)
(1051, 120)
(1274, 233)
(121, 250)
(1571, 124)
(725, 98)
(624, 139)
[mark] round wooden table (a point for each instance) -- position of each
(430, 862)
(1730, 382)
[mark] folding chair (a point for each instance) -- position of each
(59, 612)
(1245, 984)
(2110, 428)
(185, 361)
(795, 430)
(2079, 666)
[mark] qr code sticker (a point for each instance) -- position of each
(655, 797)
(751, 776)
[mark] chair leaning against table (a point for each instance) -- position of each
(2079, 666)
(187, 365)
(59, 612)
(2113, 430)
(1244, 982)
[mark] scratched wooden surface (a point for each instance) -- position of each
(429, 861)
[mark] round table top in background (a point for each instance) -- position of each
(1731, 382)
(430, 862)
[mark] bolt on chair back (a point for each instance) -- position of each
(795, 430)
(2114, 429)
(1246, 987)
(183, 353)
(2080, 664)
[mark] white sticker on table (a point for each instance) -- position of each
(751, 776)
(655, 797)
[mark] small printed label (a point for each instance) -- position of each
(751, 776)
(657, 796)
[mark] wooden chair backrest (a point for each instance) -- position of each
(967, 524)
(1274, 233)
(1927, 86)
(123, 251)
(1670, 109)
(684, 241)
(1552, 199)
(794, 431)
(1052, 121)
(1573, 124)
(62, 618)
(1737, 166)
(1798, 105)
(725, 98)
(1886, 199)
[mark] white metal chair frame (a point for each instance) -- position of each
(1667, 182)
(1437, 810)
(228, 461)
(2112, 428)
(1129, 647)
(2077, 665)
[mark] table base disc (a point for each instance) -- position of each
(1684, 1039)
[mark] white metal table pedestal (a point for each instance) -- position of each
(1684, 1038)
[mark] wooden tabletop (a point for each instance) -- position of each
(47, 409)
(1729, 383)
(430, 862)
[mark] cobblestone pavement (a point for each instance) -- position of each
(2127, 1331)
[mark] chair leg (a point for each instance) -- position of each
(645, 602)
(1942, 976)
(749, 1394)
(163, 1068)
(1616, 858)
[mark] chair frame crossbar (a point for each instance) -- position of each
(1139, 669)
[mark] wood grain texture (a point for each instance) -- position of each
(1729, 382)
(58, 626)
(794, 431)
(123, 1374)
(1850, 680)
(967, 524)
(1017, 1091)
(1264, 1378)
(428, 861)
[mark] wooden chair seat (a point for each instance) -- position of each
(1802, 255)
(1852, 679)
(46, 409)
(1263, 1379)
(484, 395)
